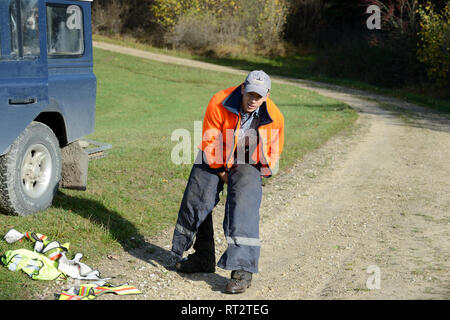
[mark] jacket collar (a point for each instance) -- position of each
(233, 104)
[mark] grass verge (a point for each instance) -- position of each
(299, 66)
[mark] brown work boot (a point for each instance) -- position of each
(240, 281)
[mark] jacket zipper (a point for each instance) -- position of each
(234, 140)
(262, 152)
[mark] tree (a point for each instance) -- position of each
(434, 45)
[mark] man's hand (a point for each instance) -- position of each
(224, 176)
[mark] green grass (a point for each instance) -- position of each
(300, 65)
(135, 191)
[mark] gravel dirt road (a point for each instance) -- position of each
(370, 204)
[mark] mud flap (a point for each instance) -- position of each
(75, 162)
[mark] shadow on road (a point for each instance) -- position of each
(126, 233)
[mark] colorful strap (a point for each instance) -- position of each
(91, 291)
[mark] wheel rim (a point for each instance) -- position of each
(36, 170)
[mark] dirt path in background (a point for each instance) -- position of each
(377, 197)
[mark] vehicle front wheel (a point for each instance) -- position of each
(30, 172)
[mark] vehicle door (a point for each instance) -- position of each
(72, 83)
(23, 67)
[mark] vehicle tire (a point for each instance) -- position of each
(30, 172)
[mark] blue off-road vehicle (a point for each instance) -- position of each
(47, 100)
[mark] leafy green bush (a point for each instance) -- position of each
(223, 26)
(434, 46)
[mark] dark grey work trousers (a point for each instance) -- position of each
(241, 221)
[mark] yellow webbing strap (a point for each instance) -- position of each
(67, 296)
(120, 290)
(36, 237)
(91, 291)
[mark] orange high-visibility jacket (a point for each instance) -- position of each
(221, 129)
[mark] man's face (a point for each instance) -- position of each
(251, 100)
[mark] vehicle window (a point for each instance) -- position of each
(64, 31)
(24, 28)
(30, 21)
(14, 27)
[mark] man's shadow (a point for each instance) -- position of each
(126, 233)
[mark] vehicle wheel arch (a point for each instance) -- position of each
(55, 121)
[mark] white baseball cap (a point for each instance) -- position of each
(257, 81)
